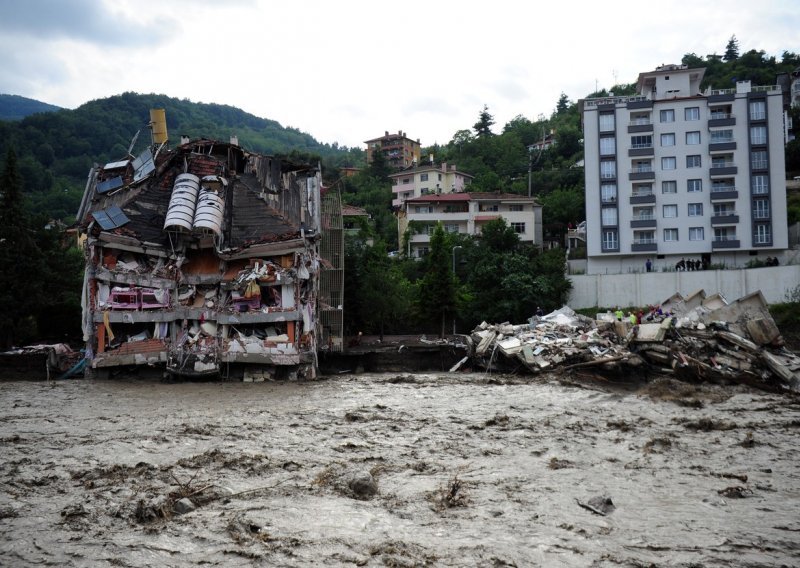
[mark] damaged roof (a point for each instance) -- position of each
(261, 196)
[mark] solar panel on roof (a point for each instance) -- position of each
(109, 184)
(110, 218)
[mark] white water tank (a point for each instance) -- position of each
(210, 204)
(180, 212)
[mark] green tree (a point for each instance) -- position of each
(23, 269)
(383, 290)
(483, 128)
(563, 104)
(732, 49)
(436, 291)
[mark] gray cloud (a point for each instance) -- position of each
(83, 20)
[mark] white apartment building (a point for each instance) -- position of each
(467, 213)
(674, 172)
(427, 179)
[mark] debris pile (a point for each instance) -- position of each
(699, 337)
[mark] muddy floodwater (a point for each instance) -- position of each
(398, 470)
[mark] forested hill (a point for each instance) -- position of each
(55, 150)
(14, 107)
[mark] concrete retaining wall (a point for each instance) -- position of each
(642, 289)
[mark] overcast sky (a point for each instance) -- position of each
(347, 71)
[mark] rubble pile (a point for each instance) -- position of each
(701, 338)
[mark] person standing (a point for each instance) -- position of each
(649, 265)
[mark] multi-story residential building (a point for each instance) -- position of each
(467, 213)
(427, 179)
(400, 150)
(207, 259)
(674, 172)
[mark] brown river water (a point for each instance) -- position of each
(398, 470)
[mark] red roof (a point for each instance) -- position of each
(442, 197)
(486, 217)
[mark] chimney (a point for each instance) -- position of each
(184, 139)
(444, 167)
(387, 133)
(431, 159)
(234, 140)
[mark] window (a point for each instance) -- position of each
(644, 237)
(763, 234)
(606, 122)
(406, 180)
(608, 169)
(693, 161)
(668, 163)
(643, 213)
(670, 211)
(760, 184)
(423, 209)
(670, 235)
(691, 113)
(758, 110)
(518, 228)
(758, 135)
(430, 229)
(440, 177)
(694, 185)
(422, 251)
(424, 191)
(693, 138)
(668, 139)
(642, 189)
(645, 141)
(761, 208)
(696, 234)
(450, 228)
(695, 210)
(669, 187)
(723, 209)
(423, 177)
(608, 193)
(608, 216)
(610, 240)
(608, 146)
(516, 207)
(667, 115)
(721, 136)
(725, 234)
(758, 159)
(489, 207)
(643, 166)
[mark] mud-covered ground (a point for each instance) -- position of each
(466, 470)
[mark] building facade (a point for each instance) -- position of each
(467, 213)
(204, 259)
(673, 173)
(400, 150)
(425, 180)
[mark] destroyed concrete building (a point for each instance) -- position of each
(697, 338)
(204, 260)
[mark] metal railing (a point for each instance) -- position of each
(640, 122)
(723, 164)
(721, 115)
(722, 188)
(725, 238)
(645, 217)
(642, 145)
(759, 165)
(642, 170)
(649, 241)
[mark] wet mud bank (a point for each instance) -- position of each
(423, 469)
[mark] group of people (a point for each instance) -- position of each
(655, 313)
(772, 261)
(690, 264)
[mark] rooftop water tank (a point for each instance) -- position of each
(180, 212)
(210, 205)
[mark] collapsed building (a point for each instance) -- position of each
(696, 338)
(205, 259)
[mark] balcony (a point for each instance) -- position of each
(642, 173)
(608, 200)
(641, 150)
(724, 192)
(639, 197)
(643, 222)
(640, 125)
(721, 119)
(723, 169)
(725, 218)
(644, 245)
(728, 242)
(721, 145)
(608, 175)
(759, 165)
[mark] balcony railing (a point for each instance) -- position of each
(723, 92)
(761, 214)
(725, 213)
(590, 103)
(723, 164)
(642, 170)
(642, 194)
(608, 200)
(642, 145)
(724, 238)
(643, 217)
(759, 165)
(721, 115)
(765, 88)
(650, 241)
(608, 175)
(720, 139)
(640, 122)
(722, 188)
